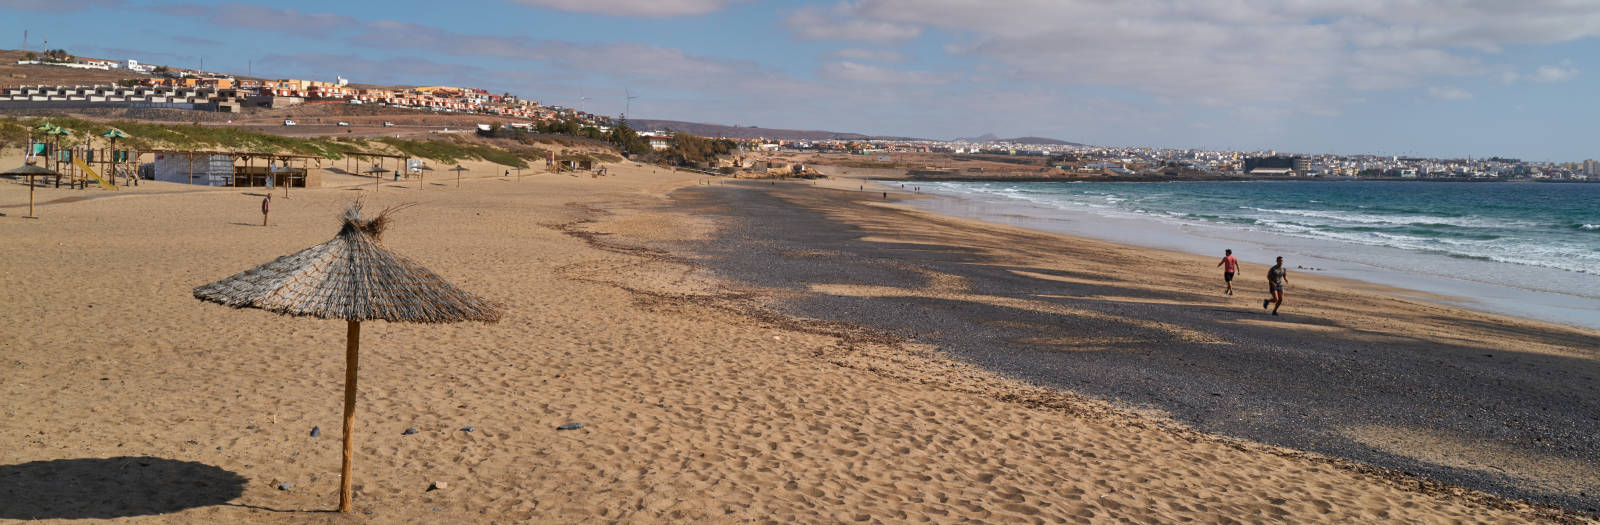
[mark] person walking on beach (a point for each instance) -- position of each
(1277, 276)
(1229, 266)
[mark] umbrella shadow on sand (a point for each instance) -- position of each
(104, 488)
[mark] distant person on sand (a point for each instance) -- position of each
(1277, 276)
(1229, 266)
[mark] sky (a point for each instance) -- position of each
(1392, 77)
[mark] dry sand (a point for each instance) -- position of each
(122, 396)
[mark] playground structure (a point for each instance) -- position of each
(79, 164)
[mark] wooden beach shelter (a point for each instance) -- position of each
(458, 169)
(30, 171)
(356, 278)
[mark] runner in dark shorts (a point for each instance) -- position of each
(1277, 276)
(1229, 266)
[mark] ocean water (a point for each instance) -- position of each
(1522, 248)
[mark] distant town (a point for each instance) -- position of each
(177, 88)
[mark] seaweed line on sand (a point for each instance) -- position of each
(895, 357)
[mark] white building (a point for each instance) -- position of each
(205, 170)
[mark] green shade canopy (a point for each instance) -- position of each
(114, 133)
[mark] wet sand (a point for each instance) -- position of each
(1350, 370)
(703, 397)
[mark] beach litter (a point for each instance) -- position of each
(409, 431)
(285, 486)
(316, 431)
(468, 428)
(437, 485)
(570, 426)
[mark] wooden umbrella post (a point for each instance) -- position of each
(352, 349)
(30, 198)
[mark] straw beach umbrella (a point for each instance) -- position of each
(377, 173)
(422, 170)
(31, 171)
(458, 169)
(353, 277)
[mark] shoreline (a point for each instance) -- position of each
(1350, 372)
(1445, 287)
(1139, 179)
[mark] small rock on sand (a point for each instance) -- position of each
(438, 485)
(316, 431)
(468, 428)
(570, 426)
(409, 431)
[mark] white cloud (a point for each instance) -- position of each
(812, 23)
(1291, 54)
(845, 71)
(876, 55)
(57, 6)
(1551, 74)
(264, 18)
(1448, 93)
(640, 8)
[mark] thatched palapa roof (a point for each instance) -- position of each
(352, 277)
(29, 169)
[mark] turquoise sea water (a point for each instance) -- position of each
(1535, 237)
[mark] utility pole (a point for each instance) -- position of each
(24, 40)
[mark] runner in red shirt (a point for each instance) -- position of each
(1229, 266)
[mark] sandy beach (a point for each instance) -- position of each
(748, 352)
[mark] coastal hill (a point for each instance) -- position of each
(750, 132)
(754, 132)
(1038, 141)
(14, 74)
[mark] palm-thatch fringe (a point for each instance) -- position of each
(351, 277)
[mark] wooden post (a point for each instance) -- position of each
(30, 198)
(191, 168)
(352, 348)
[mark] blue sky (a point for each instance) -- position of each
(1402, 77)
